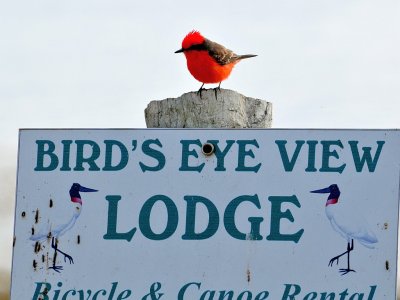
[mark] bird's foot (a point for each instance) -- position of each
(336, 258)
(69, 257)
(345, 271)
(216, 90)
(57, 268)
(199, 91)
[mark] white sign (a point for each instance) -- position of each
(145, 214)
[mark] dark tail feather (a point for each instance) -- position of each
(246, 56)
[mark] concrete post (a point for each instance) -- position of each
(229, 110)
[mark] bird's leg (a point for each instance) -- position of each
(218, 88)
(336, 258)
(199, 91)
(349, 249)
(54, 245)
(71, 261)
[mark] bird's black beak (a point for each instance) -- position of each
(322, 191)
(179, 51)
(86, 190)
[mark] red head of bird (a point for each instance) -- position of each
(192, 38)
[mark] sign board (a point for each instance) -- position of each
(144, 214)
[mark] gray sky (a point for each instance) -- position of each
(323, 64)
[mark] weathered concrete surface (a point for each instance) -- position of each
(229, 110)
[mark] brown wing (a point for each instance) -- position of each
(222, 55)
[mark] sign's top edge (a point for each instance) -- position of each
(212, 129)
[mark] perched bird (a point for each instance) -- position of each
(208, 61)
(58, 231)
(347, 223)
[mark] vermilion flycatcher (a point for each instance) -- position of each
(208, 61)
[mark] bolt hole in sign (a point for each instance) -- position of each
(267, 214)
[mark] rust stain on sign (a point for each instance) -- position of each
(37, 247)
(37, 216)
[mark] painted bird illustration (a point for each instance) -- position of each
(207, 61)
(55, 232)
(350, 225)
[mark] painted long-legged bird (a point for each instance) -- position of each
(347, 223)
(59, 230)
(208, 61)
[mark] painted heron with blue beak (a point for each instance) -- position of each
(350, 225)
(60, 230)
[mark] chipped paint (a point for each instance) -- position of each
(44, 296)
(250, 237)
